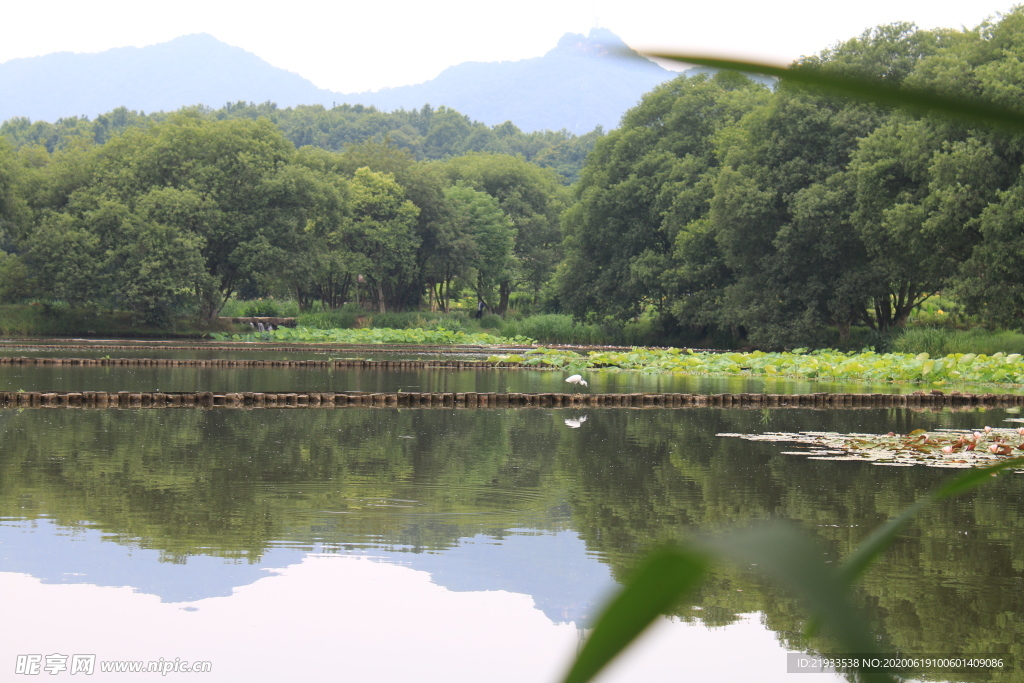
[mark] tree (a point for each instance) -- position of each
(14, 219)
(641, 187)
(424, 185)
(478, 236)
(533, 198)
(453, 252)
(938, 201)
(381, 232)
(314, 269)
(785, 208)
(990, 282)
(13, 207)
(149, 203)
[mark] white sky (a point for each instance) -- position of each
(351, 46)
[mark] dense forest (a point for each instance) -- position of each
(425, 133)
(782, 217)
(165, 215)
(783, 214)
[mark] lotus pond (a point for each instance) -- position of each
(461, 545)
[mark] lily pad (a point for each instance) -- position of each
(957, 448)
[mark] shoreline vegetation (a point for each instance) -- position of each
(932, 359)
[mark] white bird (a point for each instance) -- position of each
(576, 379)
(575, 424)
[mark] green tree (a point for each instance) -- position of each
(14, 218)
(478, 236)
(641, 187)
(784, 213)
(13, 207)
(381, 232)
(533, 198)
(150, 202)
(314, 268)
(938, 200)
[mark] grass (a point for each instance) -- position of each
(376, 335)
(546, 328)
(340, 319)
(555, 329)
(55, 320)
(939, 338)
(941, 341)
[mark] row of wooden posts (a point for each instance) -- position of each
(248, 399)
(246, 363)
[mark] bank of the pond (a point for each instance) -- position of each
(317, 399)
(968, 373)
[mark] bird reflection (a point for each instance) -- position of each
(577, 422)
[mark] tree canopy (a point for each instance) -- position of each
(719, 206)
(778, 215)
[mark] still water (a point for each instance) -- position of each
(225, 379)
(465, 545)
(299, 379)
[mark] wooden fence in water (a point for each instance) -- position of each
(249, 399)
(445, 363)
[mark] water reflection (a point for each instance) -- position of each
(193, 508)
(351, 618)
(554, 568)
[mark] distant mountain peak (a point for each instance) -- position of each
(188, 70)
(582, 83)
(196, 38)
(598, 43)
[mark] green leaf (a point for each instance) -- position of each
(875, 544)
(879, 540)
(971, 111)
(967, 481)
(793, 560)
(651, 590)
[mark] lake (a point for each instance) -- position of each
(458, 544)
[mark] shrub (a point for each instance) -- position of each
(262, 309)
(491, 322)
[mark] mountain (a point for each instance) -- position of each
(585, 81)
(193, 69)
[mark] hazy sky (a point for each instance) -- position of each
(351, 46)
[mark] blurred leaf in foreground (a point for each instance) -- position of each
(918, 101)
(779, 551)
